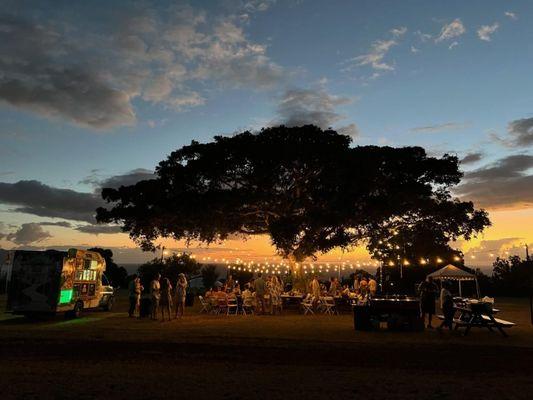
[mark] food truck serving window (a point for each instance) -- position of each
(86, 275)
(90, 264)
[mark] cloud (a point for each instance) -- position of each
(521, 132)
(127, 179)
(414, 50)
(63, 66)
(511, 15)
(376, 55)
(423, 37)
(452, 45)
(375, 58)
(486, 251)
(508, 167)
(471, 158)
(99, 229)
(34, 197)
(399, 32)
(452, 30)
(505, 183)
(307, 106)
(63, 224)
(446, 126)
(2, 233)
(28, 234)
(34, 76)
(485, 31)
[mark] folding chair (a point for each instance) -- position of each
(307, 305)
(232, 307)
(222, 307)
(248, 306)
(206, 307)
(328, 305)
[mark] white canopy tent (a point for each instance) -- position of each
(452, 273)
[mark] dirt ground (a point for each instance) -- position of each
(107, 354)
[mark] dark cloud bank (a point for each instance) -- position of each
(36, 198)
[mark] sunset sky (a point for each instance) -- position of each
(95, 94)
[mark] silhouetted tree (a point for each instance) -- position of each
(170, 267)
(304, 187)
(209, 275)
(512, 276)
(117, 275)
(424, 243)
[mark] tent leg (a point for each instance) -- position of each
(460, 290)
(477, 288)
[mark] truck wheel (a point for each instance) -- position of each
(110, 303)
(76, 312)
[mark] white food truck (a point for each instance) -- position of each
(49, 282)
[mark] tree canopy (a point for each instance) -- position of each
(170, 267)
(304, 187)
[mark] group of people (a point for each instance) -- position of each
(263, 294)
(361, 286)
(428, 292)
(161, 295)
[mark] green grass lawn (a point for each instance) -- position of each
(291, 326)
(107, 354)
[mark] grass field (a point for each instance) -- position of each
(288, 356)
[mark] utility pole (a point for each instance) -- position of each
(530, 266)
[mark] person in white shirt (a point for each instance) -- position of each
(372, 286)
(315, 290)
(155, 294)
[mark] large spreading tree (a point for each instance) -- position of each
(304, 187)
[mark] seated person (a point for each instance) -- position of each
(221, 295)
(209, 293)
(247, 293)
(231, 295)
(345, 291)
(237, 289)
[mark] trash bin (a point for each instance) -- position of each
(361, 318)
(189, 300)
(145, 308)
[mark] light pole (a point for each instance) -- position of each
(163, 253)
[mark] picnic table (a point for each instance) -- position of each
(479, 315)
(291, 300)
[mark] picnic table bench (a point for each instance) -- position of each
(479, 315)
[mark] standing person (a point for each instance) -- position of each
(372, 286)
(181, 293)
(260, 291)
(230, 283)
(446, 305)
(356, 285)
(275, 295)
(428, 293)
(155, 295)
(135, 289)
(363, 286)
(315, 290)
(166, 298)
(333, 286)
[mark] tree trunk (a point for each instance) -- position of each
(298, 277)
